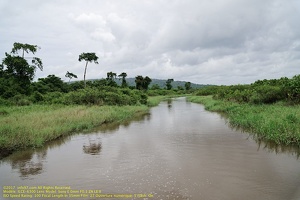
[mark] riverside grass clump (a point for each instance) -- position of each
(34, 125)
(277, 122)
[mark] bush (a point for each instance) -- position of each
(36, 97)
(267, 94)
(52, 97)
(104, 96)
(5, 102)
(20, 100)
(292, 88)
(210, 90)
(260, 92)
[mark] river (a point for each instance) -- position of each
(177, 151)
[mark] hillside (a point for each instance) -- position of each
(160, 82)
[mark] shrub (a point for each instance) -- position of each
(53, 97)
(4, 102)
(36, 97)
(20, 100)
(292, 88)
(266, 94)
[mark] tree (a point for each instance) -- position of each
(28, 48)
(139, 82)
(70, 75)
(111, 79)
(168, 84)
(88, 57)
(17, 71)
(146, 82)
(142, 83)
(51, 83)
(24, 48)
(123, 76)
(111, 76)
(187, 85)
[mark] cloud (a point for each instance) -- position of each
(215, 42)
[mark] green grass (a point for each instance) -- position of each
(33, 126)
(278, 123)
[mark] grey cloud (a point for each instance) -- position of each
(216, 42)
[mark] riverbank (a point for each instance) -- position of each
(278, 123)
(32, 126)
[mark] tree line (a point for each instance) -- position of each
(260, 92)
(18, 69)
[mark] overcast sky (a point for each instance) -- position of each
(202, 41)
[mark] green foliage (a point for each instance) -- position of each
(260, 92)
(37, 97)
(155, 87)
(70, 75)
(292, 88)
(51, 83)
(52, 97)
(24, 47)
(16, 73)
(73, 86)
(266, 94)
(88, 57)
(209, 90)
(20, 100)
(142, 83)
(5, 102)
(104, 95)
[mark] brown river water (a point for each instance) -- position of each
(177, 151)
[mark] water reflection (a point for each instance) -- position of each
(93, 148)
(276, 148)
(169, 103)
(267, 145)
(28, 163)
(113, 127)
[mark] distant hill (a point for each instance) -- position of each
(161, 83)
